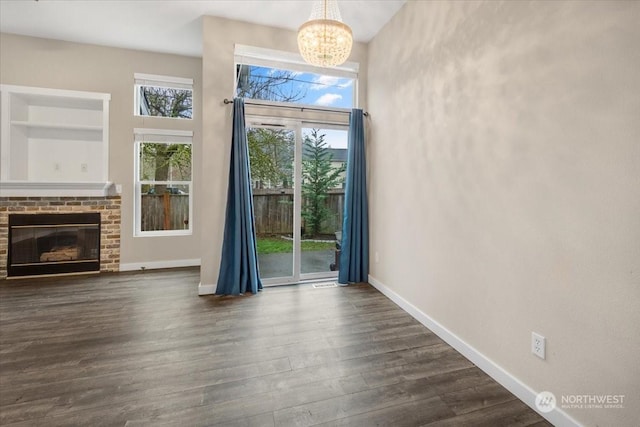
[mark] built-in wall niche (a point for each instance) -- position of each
(53, 136)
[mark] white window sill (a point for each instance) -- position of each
(163, 233)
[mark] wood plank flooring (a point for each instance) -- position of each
(144, 349)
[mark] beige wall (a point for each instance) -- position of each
(219, 38)
(38, 62)
(505, 184)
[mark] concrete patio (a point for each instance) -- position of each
(281, 264)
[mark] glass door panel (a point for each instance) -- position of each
(272, 157)
(324, 162)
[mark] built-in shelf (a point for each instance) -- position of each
(56, 140)
(59, 126)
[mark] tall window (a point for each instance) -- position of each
(163, 188)
(297, 159)
(163, 96)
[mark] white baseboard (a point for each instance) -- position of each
(153, 265)
(205, 289)
(557, 417)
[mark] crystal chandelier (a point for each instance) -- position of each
(324, 40)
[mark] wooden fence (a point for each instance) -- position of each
(155, 208)
(273, 211)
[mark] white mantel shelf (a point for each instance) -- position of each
(56, 189)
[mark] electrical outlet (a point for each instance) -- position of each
(83, 167)
(537, 345)
(376, 257)
(56, 166)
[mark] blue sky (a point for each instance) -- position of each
(320, 90)
(333, 137)
(327, 91)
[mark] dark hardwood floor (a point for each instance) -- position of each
(144, 349)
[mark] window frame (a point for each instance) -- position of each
(297, 125)
(168, 82)
(287, 61)
(159, 136)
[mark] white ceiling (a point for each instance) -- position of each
(172, 26)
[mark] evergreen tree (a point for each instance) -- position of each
(318, 177)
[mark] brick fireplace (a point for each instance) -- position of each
(108, 207)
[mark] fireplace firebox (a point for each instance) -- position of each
(53, 244)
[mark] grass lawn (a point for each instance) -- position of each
(274, 245)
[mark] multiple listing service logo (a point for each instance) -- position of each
(545, 401)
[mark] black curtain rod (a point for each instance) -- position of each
(230, 101)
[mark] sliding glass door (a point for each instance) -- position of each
(298, 173)
(272, 158)
(324, 163)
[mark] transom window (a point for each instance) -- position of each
(281, 77)
(163, 96)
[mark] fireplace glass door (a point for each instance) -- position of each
(53, 243)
